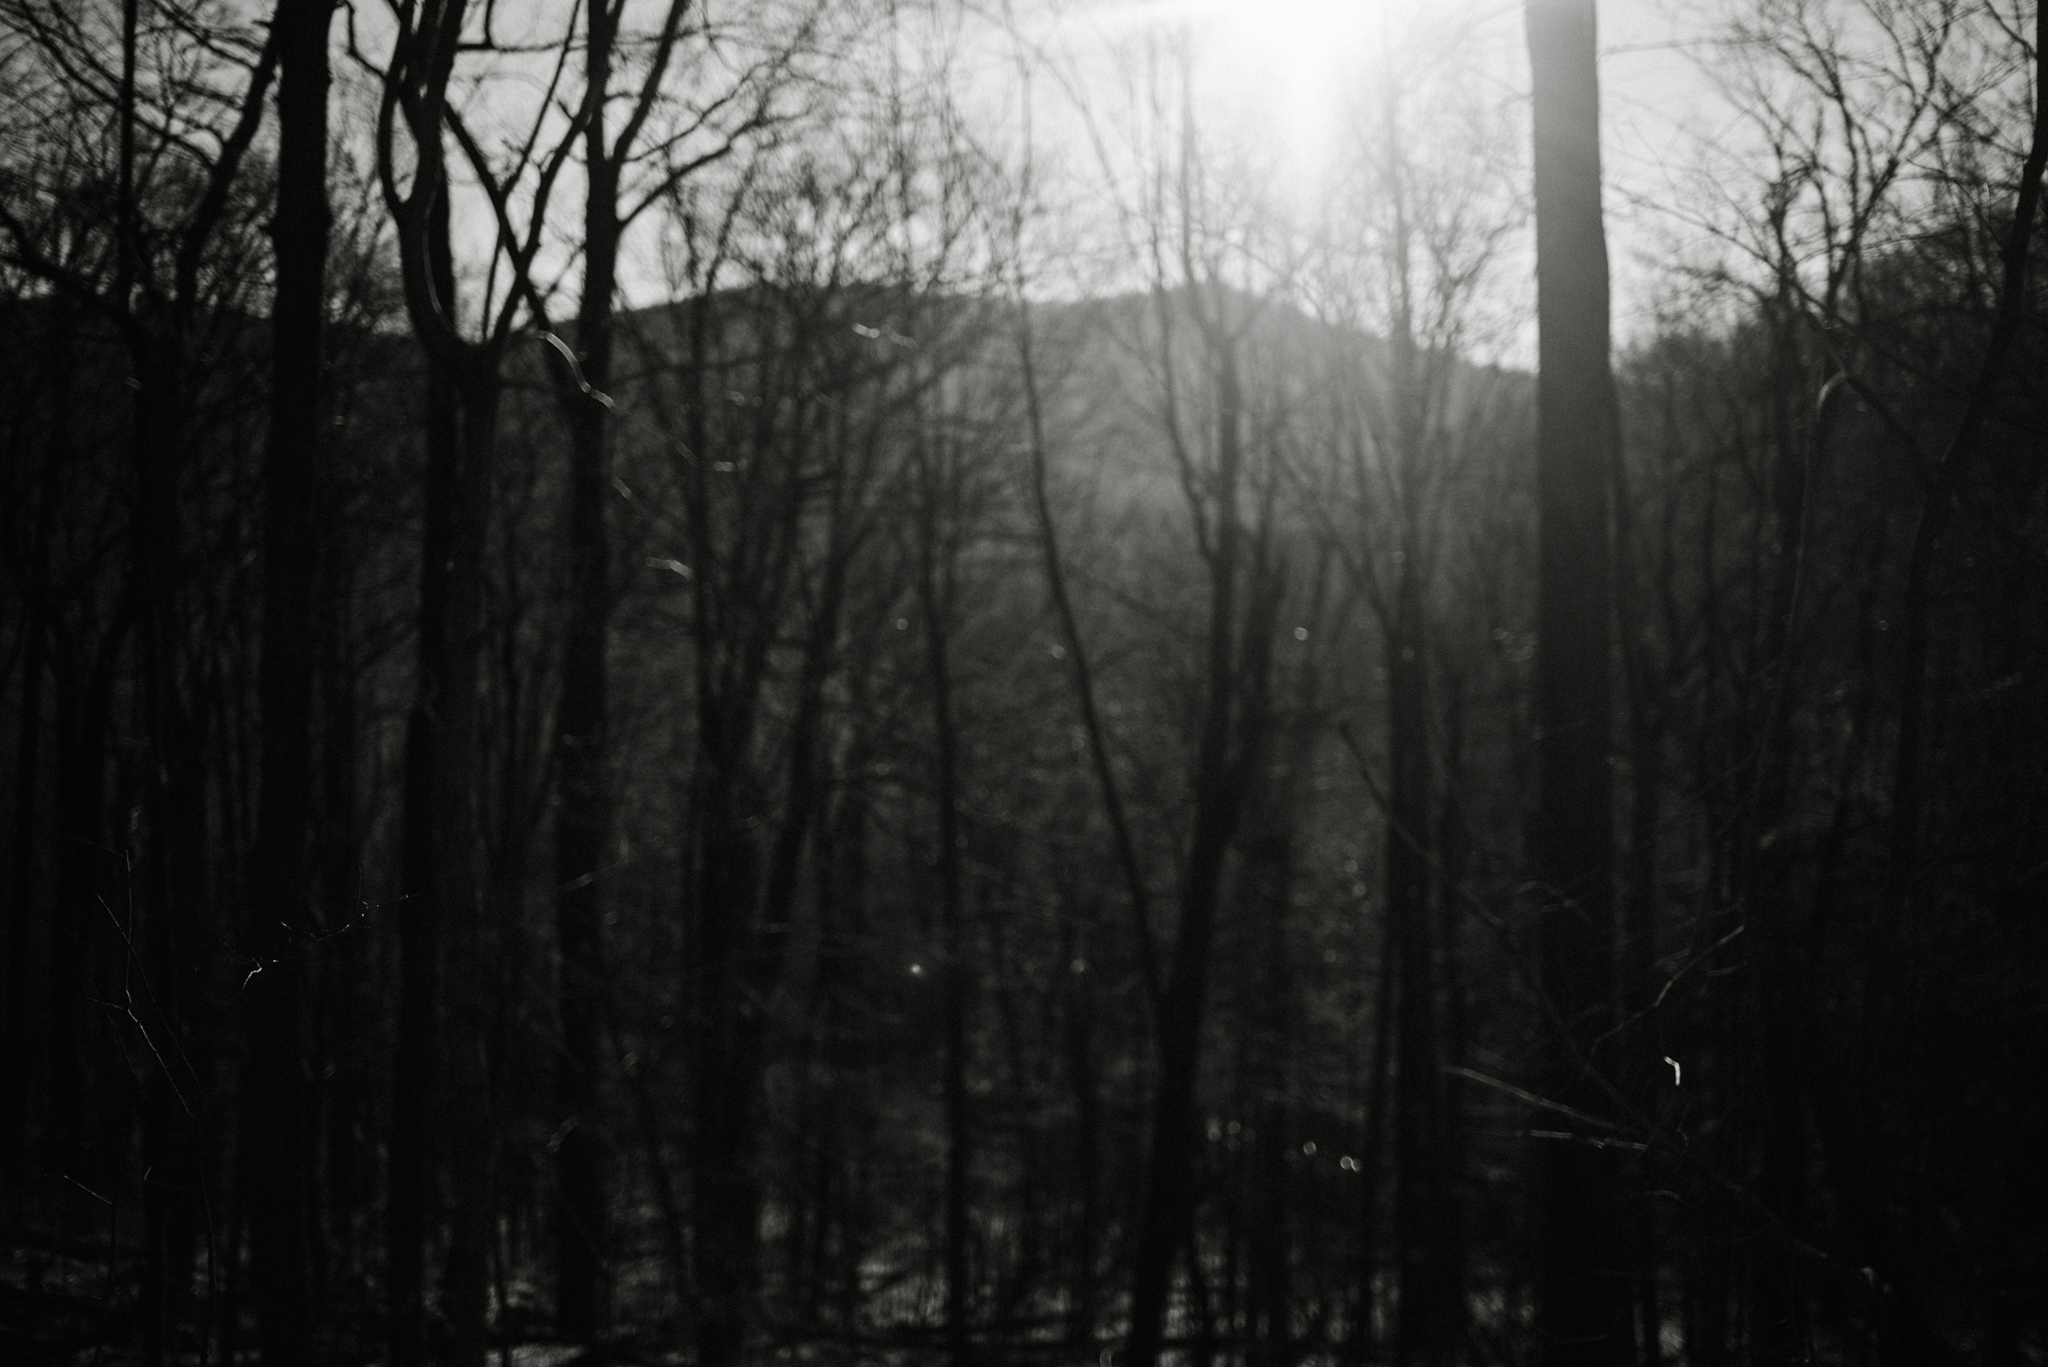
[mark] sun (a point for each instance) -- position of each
(1280, 89)
(1280, 74)
(1301, 61)
(1301, 36)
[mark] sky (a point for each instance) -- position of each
(1282, 76)
(1283, 71)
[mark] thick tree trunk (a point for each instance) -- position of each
(722, 891)
(29, 1029)
(1638, 961)
(167, 870)
(461, 899)
(582, 816)
(1454, 1033)
(1421, 1334)
(725, 1210)
(1779, 977)
(412, 1201)
(1583, 1291)
(275, 1126)
(347, 1007)
(16, 1068)
(82, 711)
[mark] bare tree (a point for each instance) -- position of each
(1883, 159)
(1188, 253)
(641, 162)
(277, 1133)
(416, 123)
(1416, 243)
(1583, 1295)
(816, 316)
(109, 99)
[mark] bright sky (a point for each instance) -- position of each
(1281, 75)
(1280, 79)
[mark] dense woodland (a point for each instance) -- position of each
(667, 697)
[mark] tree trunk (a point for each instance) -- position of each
(83, 716)
(1268, 880)
(31, 1031)
(725, 1210)
(167, 869)
(582, 817)
(1419, 1333)
(412, 1202)
(1454, 1034)
(1082, 1072)
(275, 1128)
(935, 596)
(16, 1070)
(1583, 1292)
(461, 897)
(1638, 988)
(345, 969)
(1229, 714)
(170, 860)
(1361, 1343)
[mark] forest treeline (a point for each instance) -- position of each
(662, 699)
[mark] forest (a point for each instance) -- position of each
(805, 682)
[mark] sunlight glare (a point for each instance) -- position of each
(1306, 51)
(1283, 71)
